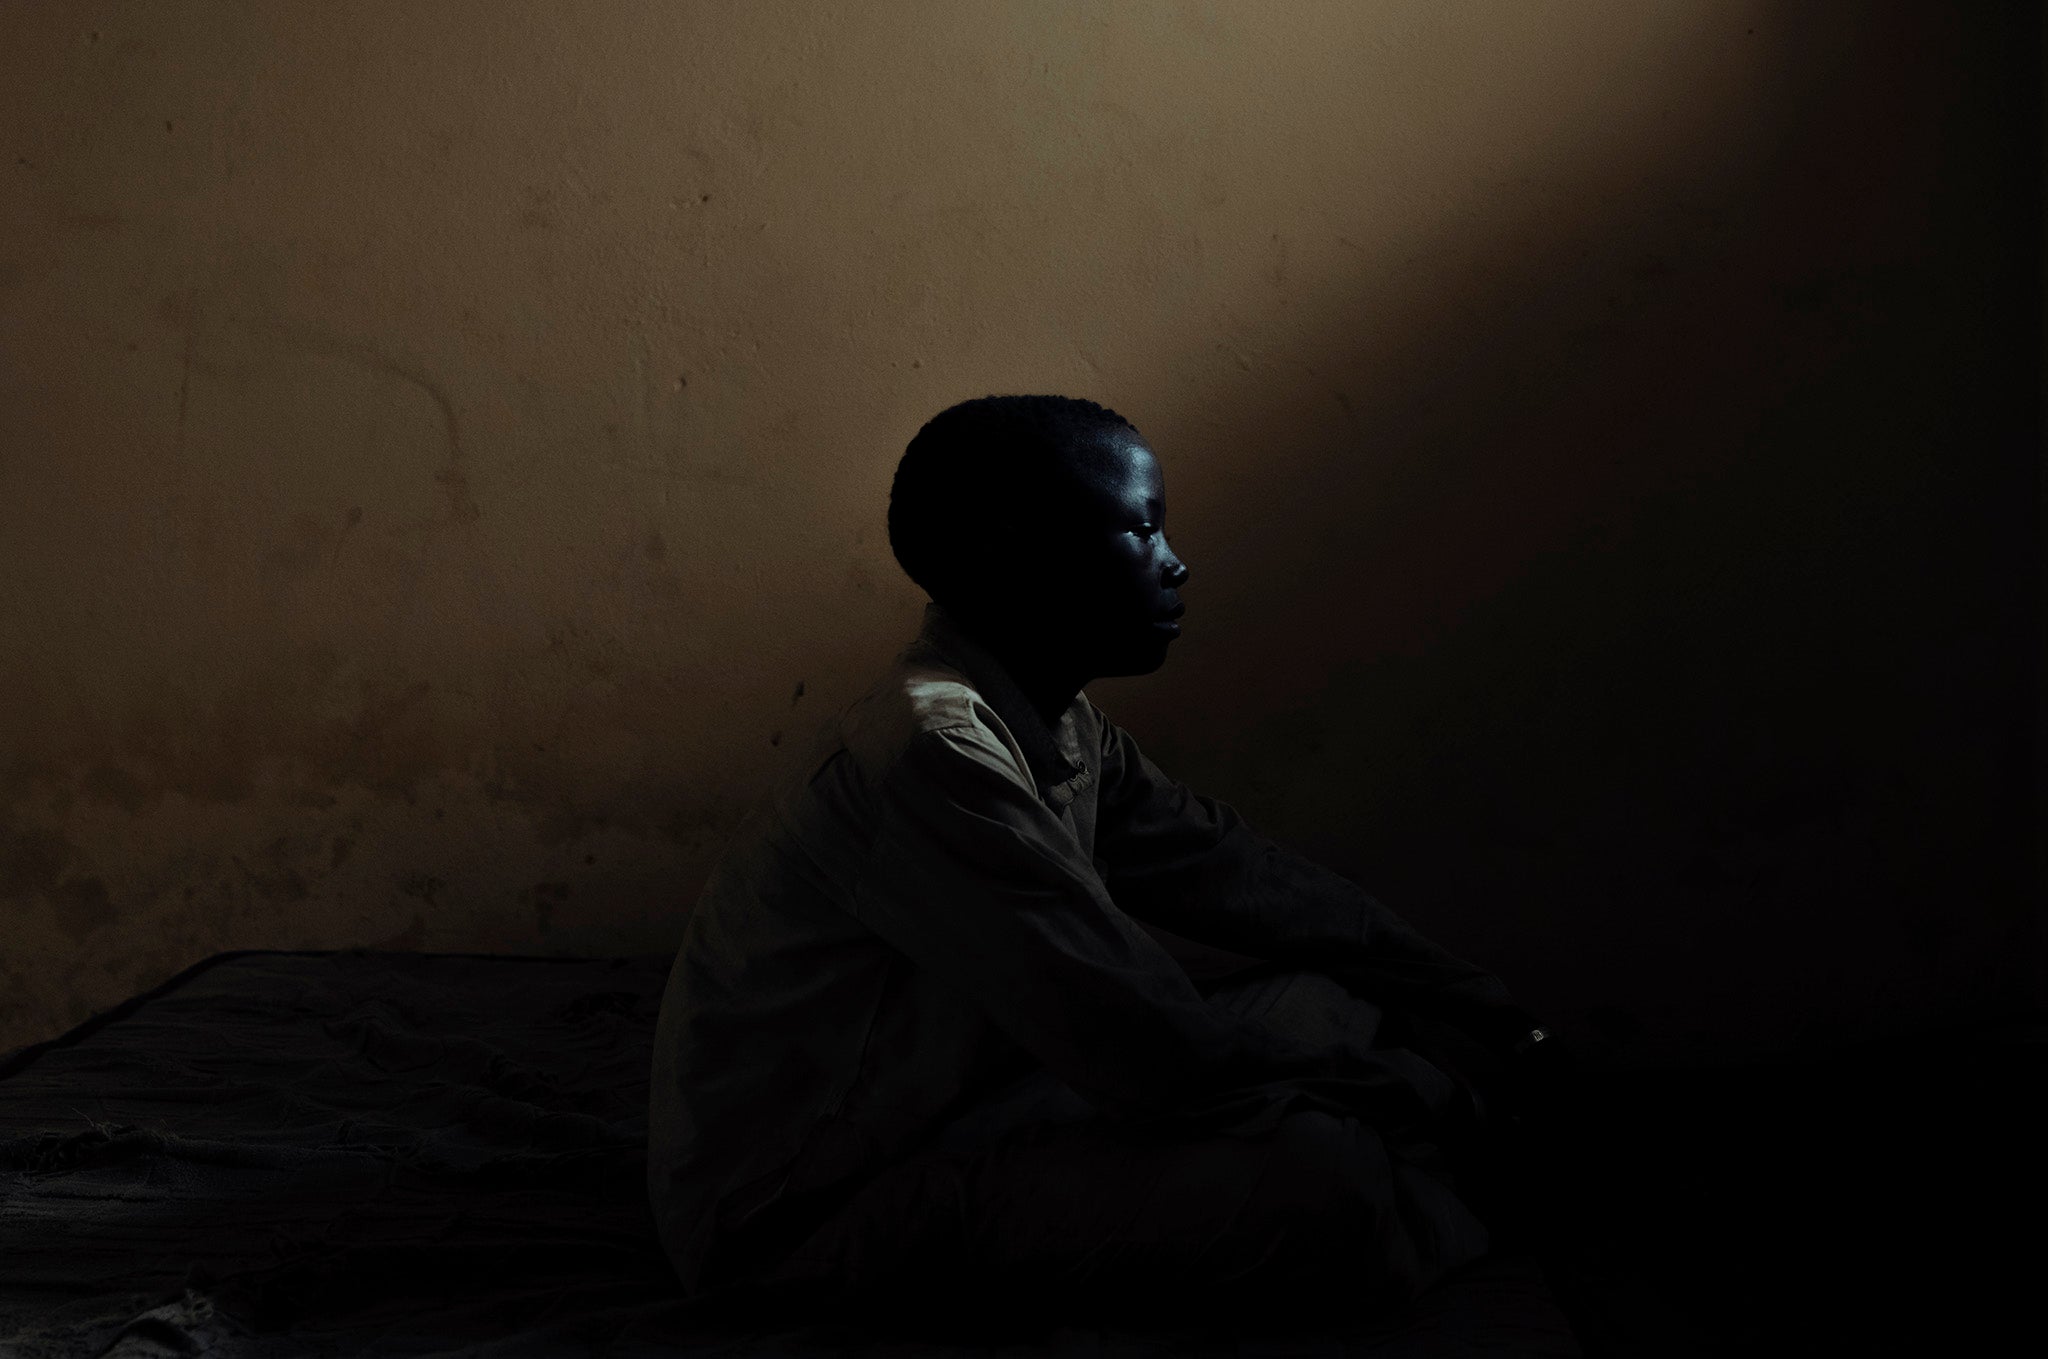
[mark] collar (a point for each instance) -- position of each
(1054, 753)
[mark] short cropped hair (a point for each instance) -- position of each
(1009, 453)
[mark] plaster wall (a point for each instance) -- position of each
(443, 450)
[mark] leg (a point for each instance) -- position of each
(1089, 1213)
(1316, 1008)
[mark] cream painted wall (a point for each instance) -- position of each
(443, 446)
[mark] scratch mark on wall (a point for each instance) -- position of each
(1350, 412)
(82, 905)
(451, 476)
(184, 398)
(354, 517)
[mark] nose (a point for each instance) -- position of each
(1176, 571)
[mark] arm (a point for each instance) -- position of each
(1192, 865)
(976, 880)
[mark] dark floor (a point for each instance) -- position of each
(1888, 1201)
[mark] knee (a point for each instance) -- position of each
(1340, 1167)
(1349, 1211)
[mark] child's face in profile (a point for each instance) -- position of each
(1121, 580)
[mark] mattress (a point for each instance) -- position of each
(359, 1153)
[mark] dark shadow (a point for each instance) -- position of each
(1667, 638)
(1664, 631)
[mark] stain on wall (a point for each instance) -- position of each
(443, 452)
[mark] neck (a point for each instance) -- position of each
(1048, 678)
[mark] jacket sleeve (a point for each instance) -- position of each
(1192, 865)
(974, 878)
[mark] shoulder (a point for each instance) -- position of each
(923, 717)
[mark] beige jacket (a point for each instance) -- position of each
(949, 895)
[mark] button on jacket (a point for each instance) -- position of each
(946, 896)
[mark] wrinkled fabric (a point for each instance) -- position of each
(951, 894)
(348, 1154)
(311, 1156)
(1035, 1195)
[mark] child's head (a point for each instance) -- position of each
(1042, 520)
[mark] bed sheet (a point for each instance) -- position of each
(435, 1154)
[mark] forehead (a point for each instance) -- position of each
(1119, 473)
